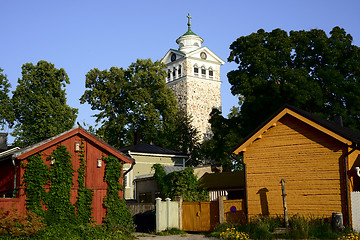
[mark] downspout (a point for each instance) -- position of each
(127, 171)
(233, 156)
(132, 165)
(355, 147)
(14, 164)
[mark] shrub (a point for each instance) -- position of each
(13, 223)
(171, 231)
(233, 234)
(350, 236)
(299, 226)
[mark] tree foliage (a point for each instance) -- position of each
(39, 103)
(184, 137)
(307, 69)
(227, 134)
(132, 100)
(6, 112)
(182, 183)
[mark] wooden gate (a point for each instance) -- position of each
(200, 216)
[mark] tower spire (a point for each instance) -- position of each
(189, 21)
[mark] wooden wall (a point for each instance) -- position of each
(308, 160)
(94, 178)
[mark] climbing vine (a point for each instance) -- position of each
(35, 178)
(59, 207)
(117, 216)
(85, 195)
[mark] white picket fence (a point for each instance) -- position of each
(355, 206)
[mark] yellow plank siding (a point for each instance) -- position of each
(310, 162)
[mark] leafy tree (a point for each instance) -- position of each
(184, 137)
(182, 183)
(6, 112)
(130, 101)
(39, 103)
(307, 69)
(227, 134)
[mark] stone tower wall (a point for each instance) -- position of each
(203, 96)
(197, 95)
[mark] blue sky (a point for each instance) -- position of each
(81, 35)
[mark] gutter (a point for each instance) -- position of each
(127, 171)
(132, 165)
(354, 147)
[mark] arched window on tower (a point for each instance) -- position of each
(174, 73)
(196, 70)
(211, 73)
(203, 72)
(179, 71)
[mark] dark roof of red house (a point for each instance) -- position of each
(149, 148)
(37, 147)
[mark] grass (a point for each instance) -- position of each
(301, 227)
(171, 231)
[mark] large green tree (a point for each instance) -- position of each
(227, 134)
(307, 69)
(6, 112)
(132, 102)
(39, 103)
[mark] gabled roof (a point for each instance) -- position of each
(40, 146)
(208, 51)
(342, 134)
(150, 149)
(190, 54)
(167, 55)
(224, 180)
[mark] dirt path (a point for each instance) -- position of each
(145, 236)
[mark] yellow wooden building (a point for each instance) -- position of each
(316, 158)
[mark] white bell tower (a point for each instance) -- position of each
(194, 77)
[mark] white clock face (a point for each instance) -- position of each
(203, 55)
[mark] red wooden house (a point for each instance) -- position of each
(11, 169)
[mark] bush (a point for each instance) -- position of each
(171, 231)
(233, 234)
(299, 226)
(350, 236)
(13, 223)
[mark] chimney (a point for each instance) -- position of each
(3, 141)
(338, 120)
(137, 138)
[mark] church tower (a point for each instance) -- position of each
(194, 77)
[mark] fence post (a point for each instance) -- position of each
(167, 212)
(180, 201)
(157, 207)
(221, 209)
(286, 217)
